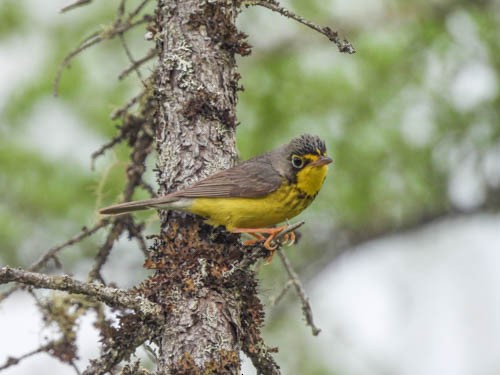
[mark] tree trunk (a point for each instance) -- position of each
(209, 297)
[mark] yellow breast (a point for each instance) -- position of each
(285, 203)
(310, 179)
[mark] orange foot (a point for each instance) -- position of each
(289, 238)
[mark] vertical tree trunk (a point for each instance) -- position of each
(209, 300)
(196, 85)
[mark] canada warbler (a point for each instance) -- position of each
(254, 195)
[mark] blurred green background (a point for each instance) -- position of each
(411, 121)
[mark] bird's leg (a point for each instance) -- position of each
(257, 233)
(258, 238)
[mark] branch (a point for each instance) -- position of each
(343, 45)
(113, 297)
(89, 42)
(76, 4)
(108, 145)
(275, 300)
(138, 9)
(124, 109)
(47, 348)
(103, 253)
(283, 234)
(136, 63)
(135, 231)
(262, 359)
(135, 170)
(294, 278)
(121, 349)
(129, 130)
(51, 253)
(97, 37)
(11, 361)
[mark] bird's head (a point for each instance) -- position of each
(305, 163)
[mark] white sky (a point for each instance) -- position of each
(426, 302)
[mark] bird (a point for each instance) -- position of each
(254, 196)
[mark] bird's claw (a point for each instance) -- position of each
(274, 239)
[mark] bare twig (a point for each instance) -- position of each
(294, 278)
(142, 142)
(135, 231)
(114, 297)
(52, 253)
(109, 358)
(76, 4)
(117, 29)
(121, 111)
(142, 244)
(96, 38)
(103, 253)
(120, 11)
(262, 359)
(275, 300)
(131, 59)
(85, 232)
(290, 228)
(11, 361)
(131, 126)
(75, 367)
(343, 45)
(139, 8)
(136, 63)
(259, 251)
(108, 145)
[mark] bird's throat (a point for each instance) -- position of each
(310, 179)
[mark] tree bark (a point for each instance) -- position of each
(209, 297)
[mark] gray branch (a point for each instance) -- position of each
(113, 297)
(343, 45)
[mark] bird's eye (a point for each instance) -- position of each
(297, 162)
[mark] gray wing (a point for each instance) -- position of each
(251, 179)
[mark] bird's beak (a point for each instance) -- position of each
(322, 160)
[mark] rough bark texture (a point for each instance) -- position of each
(197, 89)
(203, 280)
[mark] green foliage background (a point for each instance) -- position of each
(396, 120)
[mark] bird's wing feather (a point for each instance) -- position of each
(125, 207)
(251, 179)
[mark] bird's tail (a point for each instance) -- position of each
(162, 203)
